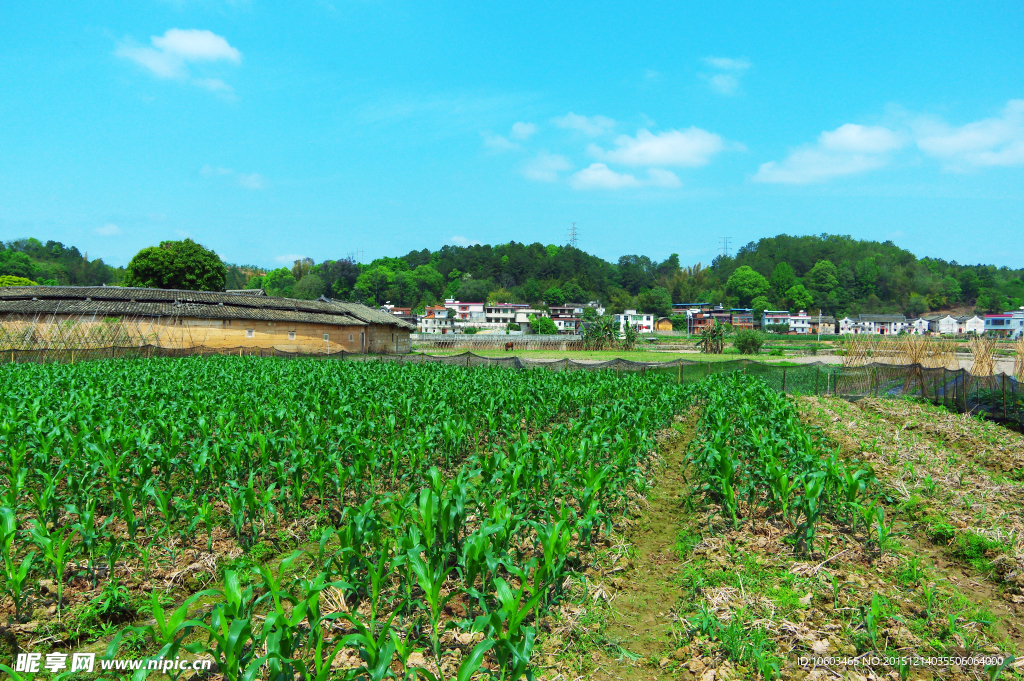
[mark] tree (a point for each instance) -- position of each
(8, 280)
(554, 296)
(373, 283)
(181, 265)
(279, 282)
(543, 326)
(310, 287)
(656, 301)
(573, 293)
(473, 291)
(782, 278)
(759, 305)
(800, 298)
(824, 276)
(748, 341)
(301, 268)
(747, 284)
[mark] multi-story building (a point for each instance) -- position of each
(742, 318)
(466, 312)
(644, 323)
(769, 317)
(503, 313)
(800, 322)
(435, 319)
(1006, 324)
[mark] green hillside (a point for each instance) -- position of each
(837, 274)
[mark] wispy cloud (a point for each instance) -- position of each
(726, 79)
(109, 229)
(523, 131)
(600, 176)
(545, 167)
(172, 54)
(997, 141)
(252, 181)
(691, 147)
(498, 142)
(588, 125)
(463, 241)
(289, 258)
(849, 149)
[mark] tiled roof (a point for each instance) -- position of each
(246, 291)
(882, 318)
(116, 300)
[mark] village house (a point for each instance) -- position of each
(663, 324)
(972, 324)
(881, 324)
(943, 324)
(644, 323)
(1005, 324)
(823, 324)
(214, 319)
(742, 319)
(917, 326)
(435, 319)
(769, 317)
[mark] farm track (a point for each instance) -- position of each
(648, 590)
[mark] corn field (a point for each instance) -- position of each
(429, 516)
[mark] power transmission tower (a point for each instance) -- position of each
(725, 245)
(573, 235)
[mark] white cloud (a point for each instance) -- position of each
(727, 63)
(171, 54)
(692, 147)
(592, 125)
(463, 241)
(600, 176)
(658, 177)
(523, 131)
(727, 80)
(109, 229)
(498, 142)
(723, 83)
(545, 167)
(862, 139)
(196, 45)
(988, 142)
(208, 171)
(252, 181)
(847, 150)
(289, 258)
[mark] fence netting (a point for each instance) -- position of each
(999, 396)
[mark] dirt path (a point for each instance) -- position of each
(647, 591)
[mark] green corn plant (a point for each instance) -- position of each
(15, 573)
(430, 579)
(872, 616)
(54, 547)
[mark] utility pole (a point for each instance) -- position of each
(725, 245)
(573, 235)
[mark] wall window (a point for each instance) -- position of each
(327, 336)
(350, 338)
(291, 335)
(250, 333)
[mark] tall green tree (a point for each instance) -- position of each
(747, 284)
(181, 265)
(782, 278)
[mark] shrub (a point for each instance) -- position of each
(748, 341)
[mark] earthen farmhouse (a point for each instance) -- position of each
(231, 319)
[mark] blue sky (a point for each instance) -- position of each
(269, 131)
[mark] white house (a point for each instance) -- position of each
(1006, 324)
(435, 320)
(942, 324)
(775, 317)
(466, 312)
(917, 326)
(973, 324)
(881, 324)
(644, 323)
(799, 322)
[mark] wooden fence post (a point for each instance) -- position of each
(679, 371)
(783, 379)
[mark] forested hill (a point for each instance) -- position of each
(838, 274)
(54, 263)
